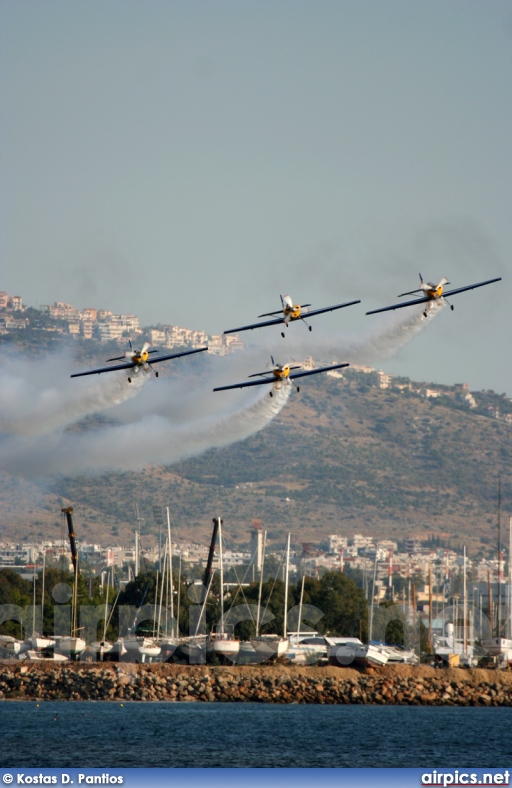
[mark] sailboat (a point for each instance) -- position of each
(269, 646)
(498, 645)
(9, 644)
(37, 642)
(305, 648)
(169, 642)
(351, 651)
(72, 645)
(192, 649)
(220, 640)
(100, 648)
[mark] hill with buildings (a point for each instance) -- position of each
(358, 452)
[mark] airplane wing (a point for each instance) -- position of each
(280, 311)
(270, 314)
(472, 287)
(255, 325)
(274, 380)
(330, 308)
(247, 383)
(316, 371)
(281, 320)
(399, 306)
(424, 300)
(262, 374)
(134, 364)
(411, 292)
(120, 358)
(176, 355)
(103, 369)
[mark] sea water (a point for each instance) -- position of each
(100, 734)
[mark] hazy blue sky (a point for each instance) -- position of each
(189, 161)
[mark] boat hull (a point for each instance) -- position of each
(267, 648)
(359, 655)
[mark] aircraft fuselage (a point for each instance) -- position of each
(139, 358)
(291, 312)
(434, 291)
(281, 373)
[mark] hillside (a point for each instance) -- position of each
(344, 456)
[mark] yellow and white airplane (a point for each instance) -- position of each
(138, 360)
(432, 292)
(279, 374)
(289, 313)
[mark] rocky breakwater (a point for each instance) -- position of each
(399, 685)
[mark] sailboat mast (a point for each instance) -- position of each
(221, 578)
(498, 616)
(74, 599)
(261, 584)
(34, 600)
(106, 609)
(430, 608)
(465, 606)
(208, 573)
(490, 602)
(137, 558)
(170, 564)
(178, 601)
(370, 634)
(162, 585)
(300, 605)
(510, 577)
(286, 579)
(207, 577)
(42, 592)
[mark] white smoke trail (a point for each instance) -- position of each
(174, 417)
(38, 397)
(383, 336)
(153, 440)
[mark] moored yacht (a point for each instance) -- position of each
(271, 646)
(142, 648)
(70, 646)
(38, 642)
(10, 645)
(307, 649)
(222, 641)
(346, 652)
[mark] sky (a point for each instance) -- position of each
(190, 161)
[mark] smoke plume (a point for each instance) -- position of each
(159, 422)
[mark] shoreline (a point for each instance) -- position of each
(392, 685)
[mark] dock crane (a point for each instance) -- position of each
(68, 511)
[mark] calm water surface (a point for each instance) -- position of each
(94, 734)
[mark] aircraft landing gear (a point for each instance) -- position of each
(156, 374)
(270, 394)
(129, 380)
(298, 387)
(310, 327)
(282, 334)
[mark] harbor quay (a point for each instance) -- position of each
(124, 682)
